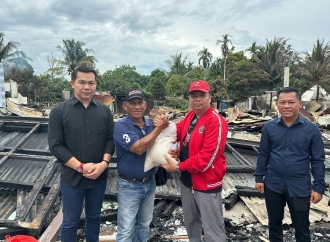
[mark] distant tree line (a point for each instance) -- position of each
(234, 75)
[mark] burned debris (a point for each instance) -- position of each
(29, 179)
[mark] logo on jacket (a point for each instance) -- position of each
(201, 129)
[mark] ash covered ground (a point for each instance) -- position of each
(171, 229)
(244, 233)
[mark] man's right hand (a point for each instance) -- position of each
(161, 122)
(260, 186)
(87, 166)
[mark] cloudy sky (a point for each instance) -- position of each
(145, 33)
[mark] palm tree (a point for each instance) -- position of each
(9, 53)
(253, 50)
(75, 55)
(224, 50)
(216, 67)
(272, 58)
(316, 66)
(205, 57)
(177, 64)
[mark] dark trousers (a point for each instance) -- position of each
(72, 205)
(299, 211)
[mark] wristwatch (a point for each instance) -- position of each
(80, 167)
(177, 168)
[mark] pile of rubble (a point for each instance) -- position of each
(168, 226)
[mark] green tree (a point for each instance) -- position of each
(54, 68)
(253, 49)
(177, 64)
(54, 87)
(115, 83)
(158, 90)
(174, 86)
(273, 57)
(315, 68)
(247, 79)
(157, 76)
(205, 57)
(25, 79)
(123, 78)
(10, 56)
(215, 69)
(218, 89)
(224, 47)
(74, 55)
(136, 85)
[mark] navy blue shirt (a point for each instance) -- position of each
(126, 133)
(286, 156)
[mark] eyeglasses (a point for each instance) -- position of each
(192, 125)
(83, 83)
(133, 104)
(143, 132)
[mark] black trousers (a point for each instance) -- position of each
(299, 211)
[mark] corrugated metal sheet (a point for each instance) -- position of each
(25, 171)
(318, 212)
(7, 204)
(37, 141)
(25, 158)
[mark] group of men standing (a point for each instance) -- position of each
(83, 137)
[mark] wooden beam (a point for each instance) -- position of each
(24, 211)
(53, 230)
(37, 224)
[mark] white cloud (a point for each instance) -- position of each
(145, 33)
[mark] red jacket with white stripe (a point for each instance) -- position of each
(207, 161)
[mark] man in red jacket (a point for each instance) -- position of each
(202, 135)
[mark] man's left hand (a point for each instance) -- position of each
(96, 170)
(170, 165)
(316, 197)
(161, 121)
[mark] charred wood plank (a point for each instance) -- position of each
(36, 225)
(10, 224)
(250, 193)
(24, 211)
(231, 201)
(21, 186)
(168, 210)
(11, 232)
(158, 209)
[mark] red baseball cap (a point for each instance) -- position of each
(199, 85)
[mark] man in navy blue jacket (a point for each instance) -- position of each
(290, 147)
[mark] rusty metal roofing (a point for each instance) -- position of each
(29, 175)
